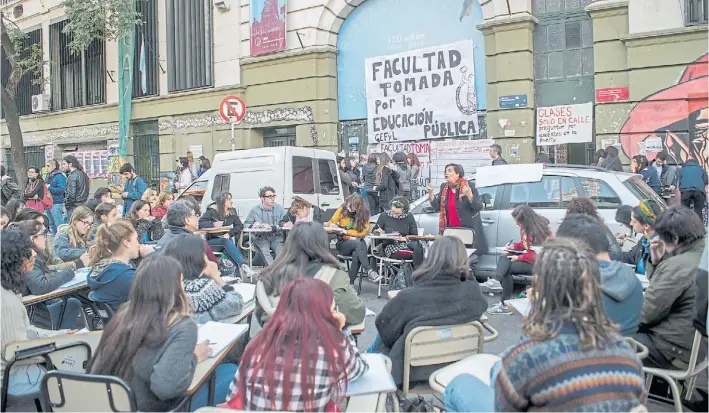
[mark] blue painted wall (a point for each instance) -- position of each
(384, 27)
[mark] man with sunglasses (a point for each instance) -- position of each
(267, 215)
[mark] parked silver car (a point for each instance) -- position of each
(548, 196)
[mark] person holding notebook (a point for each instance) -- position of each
(151, 342)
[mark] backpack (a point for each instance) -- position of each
(403, 278)
(9, 190)
(48, 200)
(404, 178)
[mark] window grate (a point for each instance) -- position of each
(27, 86)
(189, 44)
(145, 57)
(146, 150)
(695, 12)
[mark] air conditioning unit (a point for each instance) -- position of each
(40, 103)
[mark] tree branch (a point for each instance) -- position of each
(11, 54)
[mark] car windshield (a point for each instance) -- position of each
(639, 188)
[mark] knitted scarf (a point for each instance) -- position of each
(460, 185)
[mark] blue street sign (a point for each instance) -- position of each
(513, 101)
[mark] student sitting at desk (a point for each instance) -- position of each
(104, 213)
(151, 343)
(308, 251)
(17, 259)
(222, 214)
(441, 296)
(621, 288)
(112, 274)
(352, 220)
(666, 321)
(572, 358)
(41, 280)
(267, 215)
(147, 226)
(209, 296)
(302, 360)
(299, 211)
(72, 240)
(398, 220)
(533, 230)
(643, 219)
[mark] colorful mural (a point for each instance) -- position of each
(268, 26)
(677, 116)
(387, 27)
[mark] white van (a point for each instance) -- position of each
(311, 174)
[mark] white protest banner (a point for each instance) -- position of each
(422, 151)
(422, 94)
(470, 154)
(565, 124)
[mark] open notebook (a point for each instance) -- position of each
(522, 305)
(246, 291)
(220, 335)
(79, 278)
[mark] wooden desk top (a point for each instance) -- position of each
(34, 299)
(215, 230)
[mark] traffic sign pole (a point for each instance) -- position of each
(232, 109)
(233, 136)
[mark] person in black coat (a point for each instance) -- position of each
(222, 214)
(388, 178)
(442, 295)
(397, 220)
(458, 192)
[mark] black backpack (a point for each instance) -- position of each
(403, 278)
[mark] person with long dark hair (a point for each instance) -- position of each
(388, 181)
(151, 342)
(209, 296)
(415, 165)
(533, 231)
(370, 181)
(147, 226)
(14, 206)
(669, 301)
(104, 213)
(56, 183)
(398, 220)
(303, 359)
(442, 279)
(18, 257)
(34, 191)
(612, 161)
(222, 214)
(640, 166)
(78, 184)
(459, 205)
(351, 219)
(308, 249)
(585, 206)
(571, 357)
(184, 175)
(43, 280)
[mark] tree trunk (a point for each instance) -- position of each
(17, 152)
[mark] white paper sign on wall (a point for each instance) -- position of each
(565, 124)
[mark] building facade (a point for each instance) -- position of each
(300, 67)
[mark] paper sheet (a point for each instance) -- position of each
(522, 305)
(376, 380)
(79, 278)
(221, 335)
(247, 291)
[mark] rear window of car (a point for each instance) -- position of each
(640, 190)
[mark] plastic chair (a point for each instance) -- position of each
(673, 376)
(639, 348)
(427, 346)
(386, 266)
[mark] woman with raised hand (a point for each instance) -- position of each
(151, 342)
(303, 359)
(572, 357)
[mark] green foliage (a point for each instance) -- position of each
(28, 58)
(99, 19)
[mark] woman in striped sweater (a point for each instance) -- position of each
(572, 358)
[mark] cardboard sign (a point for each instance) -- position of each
(558, 125)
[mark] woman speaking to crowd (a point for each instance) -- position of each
(459, 205)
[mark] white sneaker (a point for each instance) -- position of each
(492, 285)
(499, 309)
(373, 276)
(246, 271)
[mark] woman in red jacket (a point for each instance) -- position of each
(519, 257)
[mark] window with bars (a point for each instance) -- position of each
(563, 48)
(145, 57)
(695, 12)
(78, 79)
(279, 137)
(28, 85)
(34, 156)
(189, 44)
(146, 150)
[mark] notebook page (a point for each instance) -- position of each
(247, 291)
(220, 335)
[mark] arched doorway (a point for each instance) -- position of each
(387, 27)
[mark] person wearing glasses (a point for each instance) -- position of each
(267, 214)
(72, 240)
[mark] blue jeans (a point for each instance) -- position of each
(467, 393)
(225, 375)
(363, 192)
(376, 344)
(72, 312)
(56, 217)
(229, 249)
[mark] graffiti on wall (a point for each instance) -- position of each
(673, 120)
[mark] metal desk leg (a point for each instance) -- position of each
(65, 300)
(212, 384)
